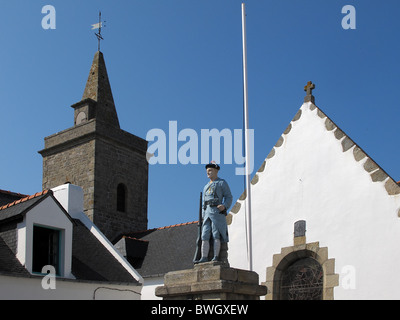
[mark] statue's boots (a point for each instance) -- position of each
(205, 247)
(217, 248)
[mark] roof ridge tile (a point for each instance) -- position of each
(13, 193)
(37, 194)
(167, 227)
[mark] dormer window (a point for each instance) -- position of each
(43, 233)
(46, 249)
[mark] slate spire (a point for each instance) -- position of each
(98, 89)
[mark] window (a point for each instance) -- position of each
(121, 197)
(46, 249)
(302, 271)
(302, 280)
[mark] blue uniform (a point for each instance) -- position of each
(215, 192)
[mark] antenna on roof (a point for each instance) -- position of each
(99, 25)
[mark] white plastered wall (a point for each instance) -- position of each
(310, 177)
(46, 214)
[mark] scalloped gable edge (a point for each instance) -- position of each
(376, 172)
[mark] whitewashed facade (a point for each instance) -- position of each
(350, 205)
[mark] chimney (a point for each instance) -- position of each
(71, 198)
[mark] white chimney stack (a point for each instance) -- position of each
(71, 198)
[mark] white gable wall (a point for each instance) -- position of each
(46, 214)
(310, 178)
(49, 214)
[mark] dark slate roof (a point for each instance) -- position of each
(15, 210)
(9, 264)
(92, 261)
(10, 215)
(158, 251)
(8, 196)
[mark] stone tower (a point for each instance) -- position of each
(107, 162)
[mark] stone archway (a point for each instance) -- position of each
(290, 255)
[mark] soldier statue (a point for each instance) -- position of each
(216, 200)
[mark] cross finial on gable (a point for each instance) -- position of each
(308, 89)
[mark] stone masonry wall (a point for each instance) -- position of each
(116, 164)
(97, 158)
(74, 165)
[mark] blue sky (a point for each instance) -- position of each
(181, 60)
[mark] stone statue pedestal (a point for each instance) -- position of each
(211, 281)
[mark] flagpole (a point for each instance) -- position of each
(247, 146)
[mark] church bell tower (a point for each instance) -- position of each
(107, 162)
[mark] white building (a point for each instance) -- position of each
(318, 195)
(49, 249)
(325, 221)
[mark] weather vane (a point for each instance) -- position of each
(99, 25)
